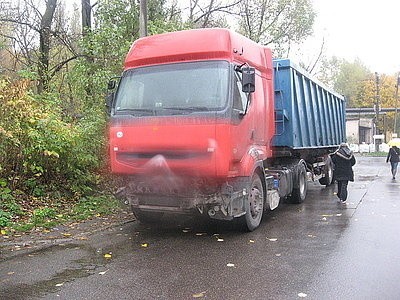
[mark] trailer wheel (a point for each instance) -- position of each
(328, 170)
(299, 191)
(254, 205)
(147, 217)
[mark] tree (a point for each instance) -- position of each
(350, 79)
(34, 35)
(211, 13)
(359, 86)
(329, 70)
(44, 31)
(276, 23)
(314, 62)
(86, 16)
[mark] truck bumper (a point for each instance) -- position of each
(223, 200)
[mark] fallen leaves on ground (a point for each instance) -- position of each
(199, 295)
(102, 273)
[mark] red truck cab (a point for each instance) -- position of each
(191, 129)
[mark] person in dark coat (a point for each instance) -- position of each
(393, 157)
(343, 161)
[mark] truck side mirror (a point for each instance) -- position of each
(111, 84)
(248, 80)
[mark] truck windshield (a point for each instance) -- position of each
(174, 89)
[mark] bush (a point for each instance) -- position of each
(40, 150)
(5, 218)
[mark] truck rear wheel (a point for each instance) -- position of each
(254, 205)
(328, 171)
(299, 191)
(147, 217)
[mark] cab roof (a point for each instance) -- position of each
(197, 45)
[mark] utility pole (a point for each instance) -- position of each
(397, 97)
(376, 110)
(143, 18)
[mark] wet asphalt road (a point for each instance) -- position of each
(317, 250)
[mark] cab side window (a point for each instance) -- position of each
(239, 98)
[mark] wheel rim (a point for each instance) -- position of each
(256, 202)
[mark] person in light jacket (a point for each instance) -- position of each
(343, 161)
(393, 157)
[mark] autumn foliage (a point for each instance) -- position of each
(40, 149)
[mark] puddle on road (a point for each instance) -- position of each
(92, 263)
(367, 177)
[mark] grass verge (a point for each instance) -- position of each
(14, 218)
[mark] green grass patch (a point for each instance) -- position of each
(91, 206)
(52, 215)
(5, 218)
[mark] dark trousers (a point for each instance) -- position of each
(342, 189)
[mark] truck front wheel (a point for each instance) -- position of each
(254, 204)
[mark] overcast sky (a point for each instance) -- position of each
(365, 29)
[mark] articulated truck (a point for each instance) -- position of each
(205, 122)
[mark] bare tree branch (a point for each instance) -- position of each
(321, 51)
(211, 9)
(14, 21)
(59, 66)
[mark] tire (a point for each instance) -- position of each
(328, 171)
(147, 217)
(254, 205)
(299, 191)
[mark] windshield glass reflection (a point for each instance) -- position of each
(174, 89)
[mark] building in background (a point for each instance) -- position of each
(359, 130)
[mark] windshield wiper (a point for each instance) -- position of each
(149, 110)
(189, 108)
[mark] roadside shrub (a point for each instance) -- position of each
(5, 218)
(40, 150)
(41, 215)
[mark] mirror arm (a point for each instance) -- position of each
(247, 104)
